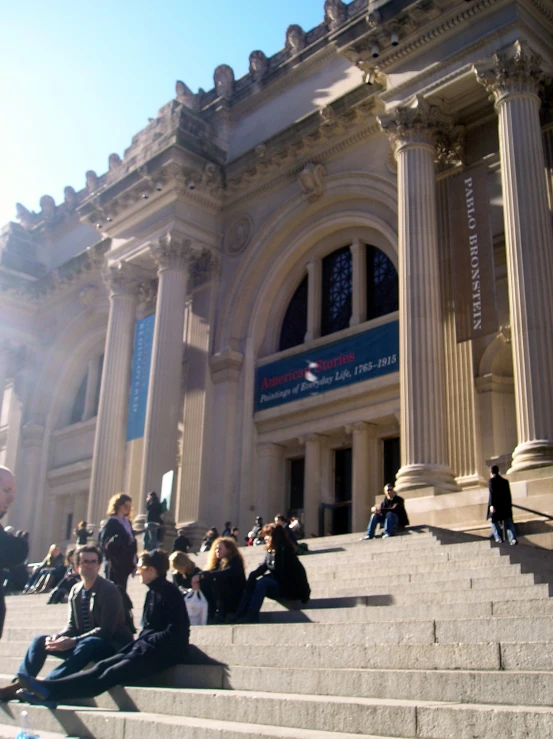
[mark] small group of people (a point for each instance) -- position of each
(212, 534)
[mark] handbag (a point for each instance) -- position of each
(196, 605)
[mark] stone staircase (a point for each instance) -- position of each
(431, 634)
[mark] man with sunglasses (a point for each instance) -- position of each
(96, 627)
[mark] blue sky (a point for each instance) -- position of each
(79, 79)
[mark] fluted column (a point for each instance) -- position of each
(314, 287)
(270, 480)
(422, 368)
(359, 283)
(312, 484)
(172, 254)
(4, 358)
(111, 426)
(364, 473)
(513, 80)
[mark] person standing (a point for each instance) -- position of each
(500, 507)
(117, 540)
(13, 549)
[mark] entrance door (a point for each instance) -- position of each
(341, 515)
(297, 474)
(392, 459)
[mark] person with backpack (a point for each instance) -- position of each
(97, 626)
(117, 540)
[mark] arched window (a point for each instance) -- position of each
(294, 325)
(337, 286)
(382, 285)
(78, 405)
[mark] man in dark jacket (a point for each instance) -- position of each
(391, 512)
(96, 626)
(500, 507)
(162, 643)
(13, 549)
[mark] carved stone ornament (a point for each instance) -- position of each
(417, 122)
(259, 65)
(311, 181)
(514, 70)
(212, 178)
(71, 198)
(24, 216)
(147, 292)
(336, 13)
(204, 266)
(48, 207)
(295, 39)
(185, 96)
(238, 235)
(114, 161)
(88, 296)
(223, 78)
(171, 252)
(121, 279)
(92, 181)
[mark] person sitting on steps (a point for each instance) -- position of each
(390, 512)
(223, 581)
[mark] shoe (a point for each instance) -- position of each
(34, 686)
(513, 542)
(8, 693)
(499, 541)
(25, 696)
(365, 538)
(385, 536)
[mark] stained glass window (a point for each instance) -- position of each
(294, 325)
(382, 284)
(337, 285)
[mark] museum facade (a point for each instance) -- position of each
(333, 272)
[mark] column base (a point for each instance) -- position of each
(471, 481)
(416, 477)
(531, 455)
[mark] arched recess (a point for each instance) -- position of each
(495, 387)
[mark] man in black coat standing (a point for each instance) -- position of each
(13, 549)
(500, 507)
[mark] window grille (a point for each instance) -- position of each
(382, 284)
(294, 325)
(337, 286)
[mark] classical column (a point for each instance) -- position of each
(171, 254)
(513, 80)
(424, 457)
(359, 283)
(312, 484)
(364, 484)
(270, 481)
(314, 288)
(29, 510)
(3, 372)
(92, 380)
(111, 426)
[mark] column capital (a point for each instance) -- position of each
(360, 427)
(303, 440)
(205, 265)
(172, 251)
(516, 70)
(417, 123)
(121, 279)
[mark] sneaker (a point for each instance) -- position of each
(385, 536)
(365, 538)
(513, 542)
(499, 541)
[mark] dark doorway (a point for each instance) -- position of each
(341, 517)
(297, 475)
(392, 459)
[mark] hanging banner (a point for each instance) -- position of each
(140, 377)
(360, 357)
(472, 254)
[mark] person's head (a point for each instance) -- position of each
(235, 531)
(276, 537)
(222, 551)
(7, 490)
(119, 504)
(259, 520)
(69, 556)
(181, 562)
(227, 524)
(152, 565)
(152, 495)
(212, 533)
(494, 470)
(389, 491)
(82, 525)
(88, 559)
(280, 519)
(53, 551)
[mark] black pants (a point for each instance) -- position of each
(121, 669)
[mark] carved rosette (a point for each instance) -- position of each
(418, 124)
(121, 279)
(171, 252)
(514, 71)
(238, 235)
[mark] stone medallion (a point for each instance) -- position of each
(238, 235)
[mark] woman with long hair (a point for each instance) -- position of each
(223, 580)
(117, 540)
(280, 575)
(51, 562)
(183, 569)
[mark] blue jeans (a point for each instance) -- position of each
(390, 521)
(252, 599)
(91, 649)
(509, 528)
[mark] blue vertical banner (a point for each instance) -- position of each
(140, 377)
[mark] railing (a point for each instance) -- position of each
(536, 513)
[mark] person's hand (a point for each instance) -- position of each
(377, 509)
(492, 509)
(373, 509)
(60, 644)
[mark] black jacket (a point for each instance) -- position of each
(286, 568)
(154, 509)
(500, 499)
(225, 586)
(163, 640)
(398, 505)
(182, 581)
(118, 549)
(13, 551)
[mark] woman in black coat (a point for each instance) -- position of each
(281, 575)
(223, 581)
(162, 643)
(117, 540)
